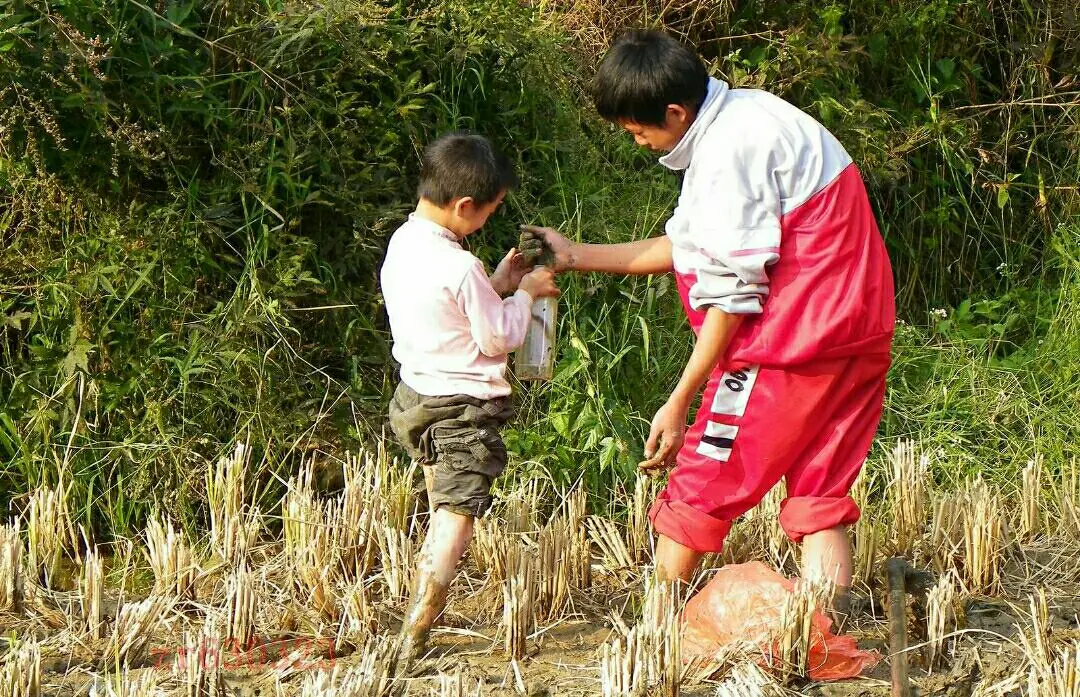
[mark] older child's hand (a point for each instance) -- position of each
(540, 283)
(509, 272)
(665, 437)
(559, 245)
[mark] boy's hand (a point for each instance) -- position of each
(540, 283)
(509, 272)
(560, 246)
(665, 437)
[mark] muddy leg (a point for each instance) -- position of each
(446, 541)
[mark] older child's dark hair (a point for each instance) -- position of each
(644, 72)
(464, 164)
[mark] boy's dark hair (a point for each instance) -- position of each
(463, 164)
(645, 71)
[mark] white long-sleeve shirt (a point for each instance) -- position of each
(751, 160)
(451, 330)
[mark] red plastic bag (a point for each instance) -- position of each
(742, 603)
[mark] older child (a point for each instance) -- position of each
(452, 330)
(788, 287)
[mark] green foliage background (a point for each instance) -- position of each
(196, 195)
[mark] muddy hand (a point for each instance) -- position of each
(555, 249)
(666, 435)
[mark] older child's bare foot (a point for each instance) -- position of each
(840, 609)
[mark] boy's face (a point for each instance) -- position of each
(474, 216)
(665, 137)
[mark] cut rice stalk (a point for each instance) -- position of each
(358, 619)
(909, 490)
(11, 569)
(638, 529)
(747, 679)
(50, 533)
(1031, 518)
(616, 555)
(398, 560)
(371, 676)
(791, 655)
(123, 684)
(20, 672)
(519, 602)
(240, 606)
(984, 538)
(941, 603)
(171, 560)
(491, 545)
(1038, 646)
(91, 594)
(198, 664)
(1058, 679)
(135, 625)
(233, 526)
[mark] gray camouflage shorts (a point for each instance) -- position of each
(458, 438)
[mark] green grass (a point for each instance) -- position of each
(196, 204)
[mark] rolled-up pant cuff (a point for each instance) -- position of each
(804, 515)
(688, 526)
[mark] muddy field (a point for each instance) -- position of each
(552, 599)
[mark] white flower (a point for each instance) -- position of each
(940, 312)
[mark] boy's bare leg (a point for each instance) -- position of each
(447, 538)
(675, 561)
(827, 555)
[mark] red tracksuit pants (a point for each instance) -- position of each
(811, 425)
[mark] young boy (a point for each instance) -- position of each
(452, 332)
(788, 287)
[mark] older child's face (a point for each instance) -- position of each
(662, 138)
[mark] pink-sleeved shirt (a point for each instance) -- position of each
(451, 330)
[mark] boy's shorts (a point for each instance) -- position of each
(812, 425)
(458, 437)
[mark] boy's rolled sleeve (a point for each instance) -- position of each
(737, 235)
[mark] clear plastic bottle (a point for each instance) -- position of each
(535, 360)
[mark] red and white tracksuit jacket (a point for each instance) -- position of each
(774, 222)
